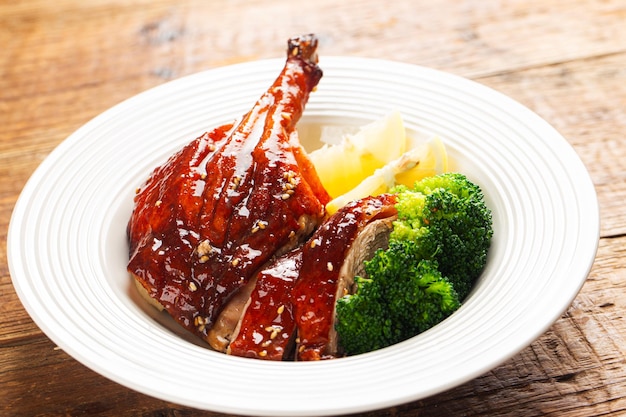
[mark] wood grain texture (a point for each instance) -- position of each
(585, 100)
(64, 62)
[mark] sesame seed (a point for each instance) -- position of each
(211, 147)
(301, 349)
(235, 183)
(203, 259)
(158, 203)
(266, 343)
(204, 248)
(263, 353)
(200, 323)
(203, 176)
(281, 309)
(329, 266)
(292, 234)
(259, 225)
(235, 262)
(285, 196)
(274, 334)
(192, 286)
(269, 328)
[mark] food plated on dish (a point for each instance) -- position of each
(74, 211)
(241, 241)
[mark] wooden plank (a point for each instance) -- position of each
(472, 38)
(34, 380)
(585, 101)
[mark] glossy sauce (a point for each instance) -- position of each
(314, 294)
(215, 212)
(297, 292)
(267, 326)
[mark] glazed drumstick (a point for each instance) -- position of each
(208, 219)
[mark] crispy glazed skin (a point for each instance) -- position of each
(297, 292)
(218, 210)
(315, 292)
(267, 326)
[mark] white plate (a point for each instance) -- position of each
(67, 245)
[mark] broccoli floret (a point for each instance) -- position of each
(362, 321)
(447, 217)
(437, 249)
(401, 297)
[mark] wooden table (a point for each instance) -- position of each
(66, 61)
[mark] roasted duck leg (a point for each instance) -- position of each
(208, 219)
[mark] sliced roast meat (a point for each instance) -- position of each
(220, 335)
(373, 237)
(267, 327)
(297, 292)
(208, 219)
(328, 260)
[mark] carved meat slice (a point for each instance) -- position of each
(228, 320)
(266, 328)
(323, 277)
(373, 237)
(299, 289)
(220, 335)
(209, 218)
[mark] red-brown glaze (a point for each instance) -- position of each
(209, 218)
(267, 326)
(314, 294)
